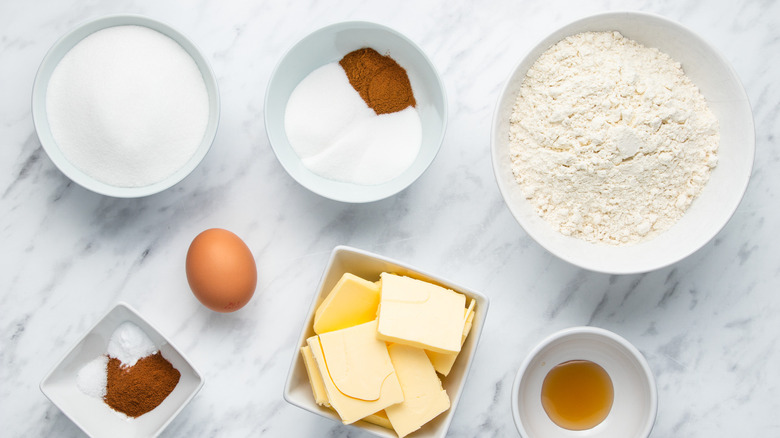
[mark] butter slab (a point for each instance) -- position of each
(420, 314)
(315, 378)
(356, 370)
(424, 398)
(380, 419)
(442, 362)
(352, 301)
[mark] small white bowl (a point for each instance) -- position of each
(41, 120)
(91, 414)
(297, 390)
(330, 44)
(635, 395)
(709, 213)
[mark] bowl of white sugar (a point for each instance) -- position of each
(623, 142)
(125, 106)
(355, 112)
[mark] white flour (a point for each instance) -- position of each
(609, 140)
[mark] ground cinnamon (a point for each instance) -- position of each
(137, 390)
(380, 81)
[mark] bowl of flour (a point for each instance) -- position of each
(125, 106)
(623, 142)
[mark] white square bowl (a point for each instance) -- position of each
(364, 264)
(91, 414)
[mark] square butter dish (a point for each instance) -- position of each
(369, 266)
(91, 414)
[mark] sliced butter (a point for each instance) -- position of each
(424, 397)
(358, 375)
(380, 419)
(442, 362)
(352, 301)
(315, 378)
(420, 314)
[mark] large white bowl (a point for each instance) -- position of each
(95, 417)
(708, 213)
(41, 120)
(330, 44)
(635, 401)
(297, 390)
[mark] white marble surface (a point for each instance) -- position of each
(707, 325)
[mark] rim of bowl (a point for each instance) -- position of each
(589, 264)
(573, 331)
(41, 121)
(378, 194)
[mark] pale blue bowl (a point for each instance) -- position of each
(330, 44)
(41, 120)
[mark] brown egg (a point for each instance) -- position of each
(221, 270)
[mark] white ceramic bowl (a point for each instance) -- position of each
(330, 44)
(635, 395)
(297, 390)
(40, 117)
(92, 415)
(709, 213)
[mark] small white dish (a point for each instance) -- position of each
(91, 414)
(41, 121)
(709, 213)
(297, 390)
(635, 395)
(330, 44)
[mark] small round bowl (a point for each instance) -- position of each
(635, 395)
(708, 213)
(330, 44)
(40, 117)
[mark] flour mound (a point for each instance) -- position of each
(609, 140)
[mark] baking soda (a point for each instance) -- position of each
(338, 137)
(127, 106)
(129, 343)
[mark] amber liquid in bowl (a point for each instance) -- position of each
(577, 395)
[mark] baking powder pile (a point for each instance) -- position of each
(610, 140)
(128, 106)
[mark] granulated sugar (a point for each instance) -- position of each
(91, 378)
(610, 140)
(127, 106)
(338, 137)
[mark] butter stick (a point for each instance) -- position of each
(356, 370)
(420, 314)
(442, 362)
(424, 398)
(315, 378)
(352, 301)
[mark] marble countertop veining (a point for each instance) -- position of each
(707, 324)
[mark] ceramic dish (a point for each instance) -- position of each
(92, 415)
(635, 395)
(40, 118)
(328, 45)
(343, 259)
(709, 213)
